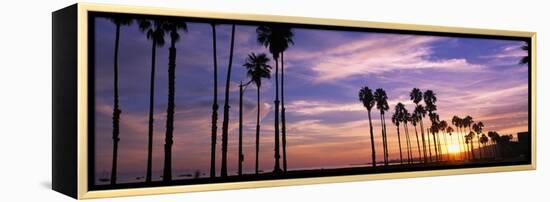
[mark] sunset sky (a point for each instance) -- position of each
(327, 126)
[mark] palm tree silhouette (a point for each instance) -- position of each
(478, 128)
(154, 30)
(381, 99)
(257, 69)
(483, 140)
(525, 59)
(466, 129)
(467, 122)
(214, 106)
(429, 146)
(449, 131)
(367, 98)
(172, 27)
(405, 119)
(442, 127)
(430, 99)
(414, 119)
(495, 137)
(438, 130)
(435, 129)
(241, 155)
(287, 39)
(276, 38)
(118, 21)
(396, 119)
(416, 97)
(421, 110)
(457, 122)
(462, 127)
(225, 126)
(469, 138)
(506, 138)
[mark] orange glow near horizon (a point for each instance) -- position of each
(454, 148)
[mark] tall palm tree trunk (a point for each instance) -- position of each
(277, 167)
(225, 126)
(459, 147)
(463, 152)
(116, 110)
(446, 144)
(386, 137)
(167, 174)
(458, 134)
(407, 143)
(240, 169)
(399, 141)
(473, 150)
(466, 145)
(372, 142)
(257, 129)
(423, 140)
(151, 107)
(283, 117)
(440, 146)
(472, 145)
(466, 151)
(214, 107)
(469, 149)
(463, 143)
(435, 146)
(479, 147)
(418, 144)
(429, 145)
(384, 140)
(409, 147)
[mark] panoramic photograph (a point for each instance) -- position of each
(181, 101)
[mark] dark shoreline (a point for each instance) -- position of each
(296, 174)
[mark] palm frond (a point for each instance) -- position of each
(257, 68)
(121, 20)
(524, 60)
(275, 37)
(144, 25)
(173, 27)
(366, 97)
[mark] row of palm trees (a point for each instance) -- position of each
(276, 37)
(379, 99)
(466, 129)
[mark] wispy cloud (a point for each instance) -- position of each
(512, 51)
(314, 107)
(508, 55)
(379, 53)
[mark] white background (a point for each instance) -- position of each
(25, 102)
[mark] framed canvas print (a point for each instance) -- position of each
(156, 100)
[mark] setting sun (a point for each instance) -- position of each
(454, 148)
